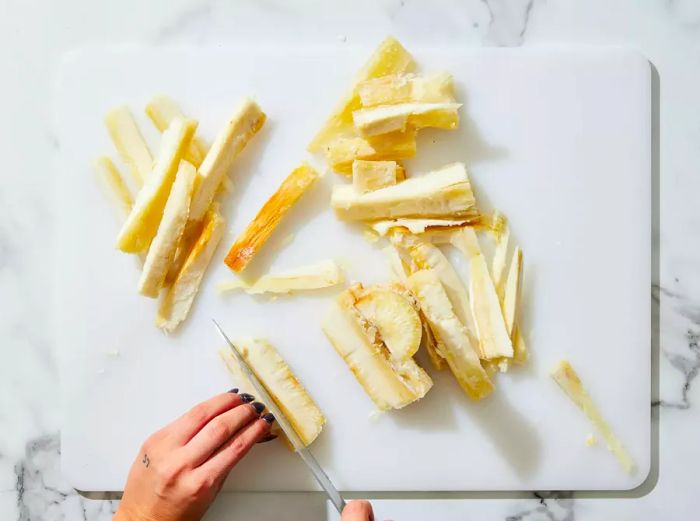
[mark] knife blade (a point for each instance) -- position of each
(304, 453)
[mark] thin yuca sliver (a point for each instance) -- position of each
(404, 88)
(342, 151)
(322, 274)
(371, 175)
(500, 254)
(142, 224)
(455, 345)
(114, 186)
(415, 226)
(164, 245)
(389, 58)
(494, 340)
(565, 376)
(395, 118)
(176, 303)
(246, 121)
(280, 382)
(520, 351)
(162, 110)
(259, 230)
(511, 292)
(129, 142)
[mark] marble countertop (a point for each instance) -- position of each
(34, 34)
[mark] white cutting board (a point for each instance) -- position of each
(557, 139)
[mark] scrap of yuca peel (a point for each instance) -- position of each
(415, 226)
(142, 224)
(323, 274)
(129, 142)
(114, 186)
(442, 193)
(405, 88)
(178, 299)
(396, 118)
(455, 345)
(389, 383)
(389, 58)
(372, 175)
(342, 151)
(570, 383)
(287, 392)
(162, 110)
(269, 216)
(494, 339)
(162, 249)
(511, 292)
(246, 121)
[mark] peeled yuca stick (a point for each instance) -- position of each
(314, 276)
(454, 343)
(162, 110)
(342, 151)
(395, 118)
(389, 58)
(114, 186)
(416, 226)
(269, 216)
(405, 88)
(178, 300)
(246, 121)
(372, 175)
(442, 193)
(162, 249)
(142, 224)
(289, 395)
(130, 143)
(570, 383)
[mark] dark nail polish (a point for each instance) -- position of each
(269, 417)
(259, 407)
(269, 437)
(233, 391)
(247, 398)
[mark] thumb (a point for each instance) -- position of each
(357, 511)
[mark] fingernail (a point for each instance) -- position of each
(259, 407)
(269, 417)
(247, 398)
(269, 437)
(233, 391)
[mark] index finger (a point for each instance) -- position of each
(357, 511)
(189, 424)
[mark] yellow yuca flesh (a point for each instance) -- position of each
(259, 230)
(416, 226)
(570, 383)
(406, 88)
(389, 58)
(114, 186)
(164, 245)
(456, 347)
(162, 110)
(520, 352)
(511, 293)
(279, 381)
(313, 276)
(129, 142)
(372, 175)
(246, 121)
(341, 152)
(384, 119)
(142, 224)
(176, 304)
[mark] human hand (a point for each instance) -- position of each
(181, 468)
(357, 511)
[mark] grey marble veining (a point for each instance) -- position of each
(668, 31)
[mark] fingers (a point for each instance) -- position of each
(219, 431)
(224, 459)
(189, 424)
(357, 511)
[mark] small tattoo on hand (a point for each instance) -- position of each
(146, 460)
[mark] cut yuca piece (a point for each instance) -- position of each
(520, 352)
(498, 264)
(269, 216)
(372, 175)
(511, 292)
(246, 121)
(570, 383)
(130, 143)
(395, 118)
(415, 226)
(389, 383)
(455, 346)
(342, 151)
(142, 224)
(162, 110)
(314, 276)
(404, 88)
(494, 339)
(178, 300)
(289, 395)
(389, 58)
(114, 186)
(164, 245)
(442, 193)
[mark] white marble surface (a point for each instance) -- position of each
(34, 33)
